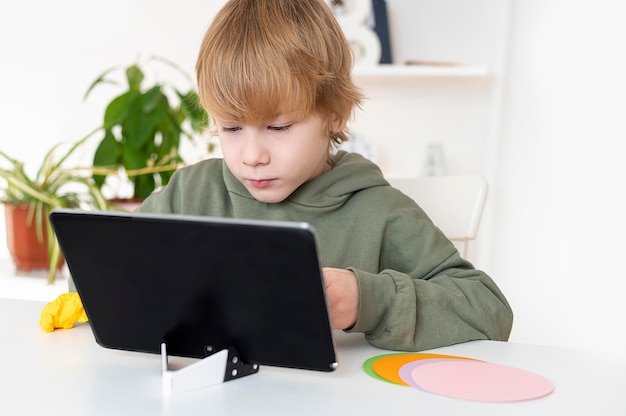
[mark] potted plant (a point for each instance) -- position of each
(143, 126)
(31, 198)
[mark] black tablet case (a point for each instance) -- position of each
(200, 285)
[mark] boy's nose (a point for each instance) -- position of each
(254, 151)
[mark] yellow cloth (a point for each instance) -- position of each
(62, 312)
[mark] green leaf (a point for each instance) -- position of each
(132, 158)
(152, 98)
(134, 76)
(170, 135)
(157, 122)
(138, 129)
(172, 120)
(108, 155)
(144, 186)
(108, 152)
(119, 108)
(197, 115)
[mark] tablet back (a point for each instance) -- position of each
(200, 284)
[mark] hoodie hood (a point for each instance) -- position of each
(351, 173)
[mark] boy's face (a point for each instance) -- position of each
(273, 158)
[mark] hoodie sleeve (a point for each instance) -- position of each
(426, 295)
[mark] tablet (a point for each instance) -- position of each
(200, 284)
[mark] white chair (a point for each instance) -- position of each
(454, 203)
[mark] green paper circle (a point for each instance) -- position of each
(367, 367)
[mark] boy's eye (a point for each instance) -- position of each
(279, 128)
(228, 129)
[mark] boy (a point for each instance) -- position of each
(275, 77)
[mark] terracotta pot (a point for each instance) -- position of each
(128, 205)
(27, 250)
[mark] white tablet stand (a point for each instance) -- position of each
(224, 365)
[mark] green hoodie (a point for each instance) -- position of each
(416, 292)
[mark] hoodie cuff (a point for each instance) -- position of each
(375, 293)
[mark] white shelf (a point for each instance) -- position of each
(416, 71)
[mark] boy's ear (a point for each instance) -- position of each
(335, 123)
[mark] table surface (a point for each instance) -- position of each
(67, 373)
(33, 285)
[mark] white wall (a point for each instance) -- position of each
(551, 148)
(403, 116)
(558, 243)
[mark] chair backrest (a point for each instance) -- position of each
(454, 203)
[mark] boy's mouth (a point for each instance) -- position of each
(261, 183)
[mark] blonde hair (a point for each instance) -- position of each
(263, 57)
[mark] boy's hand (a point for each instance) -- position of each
(342, 293)
(62, 312)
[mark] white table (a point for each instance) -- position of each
(32, 285)
(67, 373)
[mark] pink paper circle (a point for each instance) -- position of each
(406, 371)
(478, 381)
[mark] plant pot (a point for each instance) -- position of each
(128, 205)
(28, 252)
